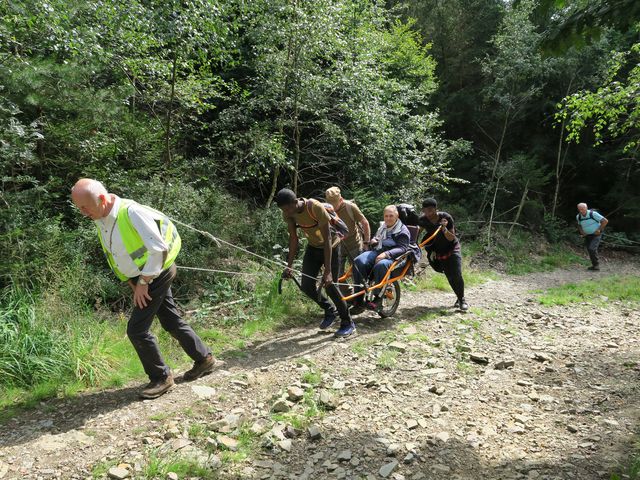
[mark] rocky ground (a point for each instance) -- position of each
(510, 390)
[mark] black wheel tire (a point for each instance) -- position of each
(390, 300)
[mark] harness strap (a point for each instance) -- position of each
(310, 213)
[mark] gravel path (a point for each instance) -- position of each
(510, 390)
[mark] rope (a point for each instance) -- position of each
(217, 271)
(201, 232)
(243, 249)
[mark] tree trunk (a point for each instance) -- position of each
(274, 186)
(558, 171)
(560, 159)
(493, 208)
(522, 200)
(167, 128)
(483, 205)
(296, 159)
(283, 110)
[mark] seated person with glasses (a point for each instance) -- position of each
(391, 241)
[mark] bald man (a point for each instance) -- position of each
(591, 225)
(141, 245)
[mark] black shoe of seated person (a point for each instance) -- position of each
(375, 304)
(357, 308)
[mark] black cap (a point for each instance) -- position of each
(285, 197)
(429, 202)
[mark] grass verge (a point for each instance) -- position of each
(630, 471)
(523, 253)
(52, 345)
(622, 288)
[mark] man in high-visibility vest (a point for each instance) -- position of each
(141, 245)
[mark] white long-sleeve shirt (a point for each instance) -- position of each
(144, 221)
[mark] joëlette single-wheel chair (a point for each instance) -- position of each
(390, 284)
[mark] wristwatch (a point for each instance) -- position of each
(142, 281)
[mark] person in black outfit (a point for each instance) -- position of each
(311, 217)
(444, 250)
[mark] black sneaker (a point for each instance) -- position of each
(357, 308)
(464, 306)
(329, 318)
(594, 268)
(375, 304)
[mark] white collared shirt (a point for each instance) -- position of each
(144, 221)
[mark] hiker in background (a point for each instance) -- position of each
(314, 220)
(443, 251)
(141, 245)
(359, 231)
(390, 242)
(591, 225)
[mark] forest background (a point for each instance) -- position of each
(506, 111)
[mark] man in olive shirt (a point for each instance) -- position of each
(359, 230)
(312, 218)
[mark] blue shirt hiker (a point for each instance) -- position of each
(591, 225)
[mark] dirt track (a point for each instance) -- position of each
(402, 398)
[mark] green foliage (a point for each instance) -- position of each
(622, 288)
(204, 108)
(29, 351)
(524, 253)
(340, 97)
(517, 68)
(613, 110)
(556, 230)
(47, 348)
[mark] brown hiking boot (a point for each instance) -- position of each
(158, 387)
(202, 368)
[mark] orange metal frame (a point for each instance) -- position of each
(386, 281)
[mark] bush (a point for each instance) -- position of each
(556, 230)
(29, 351)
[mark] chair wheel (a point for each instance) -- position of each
(390, 300)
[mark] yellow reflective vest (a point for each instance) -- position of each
(134, 245)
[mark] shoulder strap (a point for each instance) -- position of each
(308, 205)
(588, 216)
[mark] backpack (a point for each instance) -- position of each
(408, 214)
(589, 215)
(336, 224)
